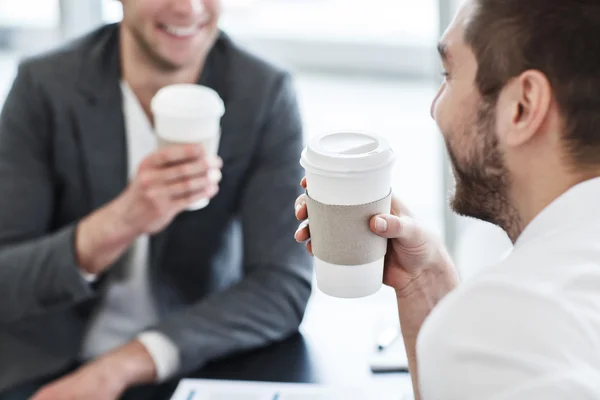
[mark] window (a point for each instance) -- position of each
(374, 21)
(112, 11)
(389, 21)
(394, 37)
(29, 13)
(29, 26)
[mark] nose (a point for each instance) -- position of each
(435, 100)
(189, 7)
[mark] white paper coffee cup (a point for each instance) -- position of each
(348, 169)
(188, 113)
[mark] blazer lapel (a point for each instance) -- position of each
(99, 121)
(215, 73)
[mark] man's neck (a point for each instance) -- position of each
(144, 77)
(533, 194)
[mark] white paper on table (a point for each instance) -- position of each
(200, 389)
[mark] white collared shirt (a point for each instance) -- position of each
(127, 307)
(529, 327)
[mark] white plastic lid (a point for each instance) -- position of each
(188, 100)
(347, 152)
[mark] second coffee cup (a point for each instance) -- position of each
(188, 113)
(348, 178)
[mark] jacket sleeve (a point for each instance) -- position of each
(38, 271)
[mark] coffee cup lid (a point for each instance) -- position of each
(347, 152)
(188, 100)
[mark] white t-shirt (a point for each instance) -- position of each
(528, 328)
(127, 307)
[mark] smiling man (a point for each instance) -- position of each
(106, 281)
(519, 110)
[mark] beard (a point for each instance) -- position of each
(152, 55)
(483, 181)
(161, 62)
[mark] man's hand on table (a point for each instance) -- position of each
(105, 378)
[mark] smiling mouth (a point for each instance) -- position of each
(181, 31)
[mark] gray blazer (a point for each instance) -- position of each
(226, 278)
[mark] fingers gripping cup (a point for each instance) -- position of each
(348, 179)
(188, 113)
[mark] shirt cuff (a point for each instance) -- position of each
(89, 278)
(164, 353)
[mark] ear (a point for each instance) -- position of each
(529, 97)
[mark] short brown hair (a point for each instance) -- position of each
(561, 39)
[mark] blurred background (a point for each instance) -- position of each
(359, 65)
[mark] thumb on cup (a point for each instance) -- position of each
(393, 227)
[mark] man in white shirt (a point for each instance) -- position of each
(519, 110)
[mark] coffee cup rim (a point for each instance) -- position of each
(329, 163)
(212, 105)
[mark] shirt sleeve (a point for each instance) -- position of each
(505, 340)
(164, 353)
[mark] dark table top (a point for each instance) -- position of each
(299, 359)
(337, 339)
(293, 360)
(304, 359)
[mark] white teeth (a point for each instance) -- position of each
(180, 31)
